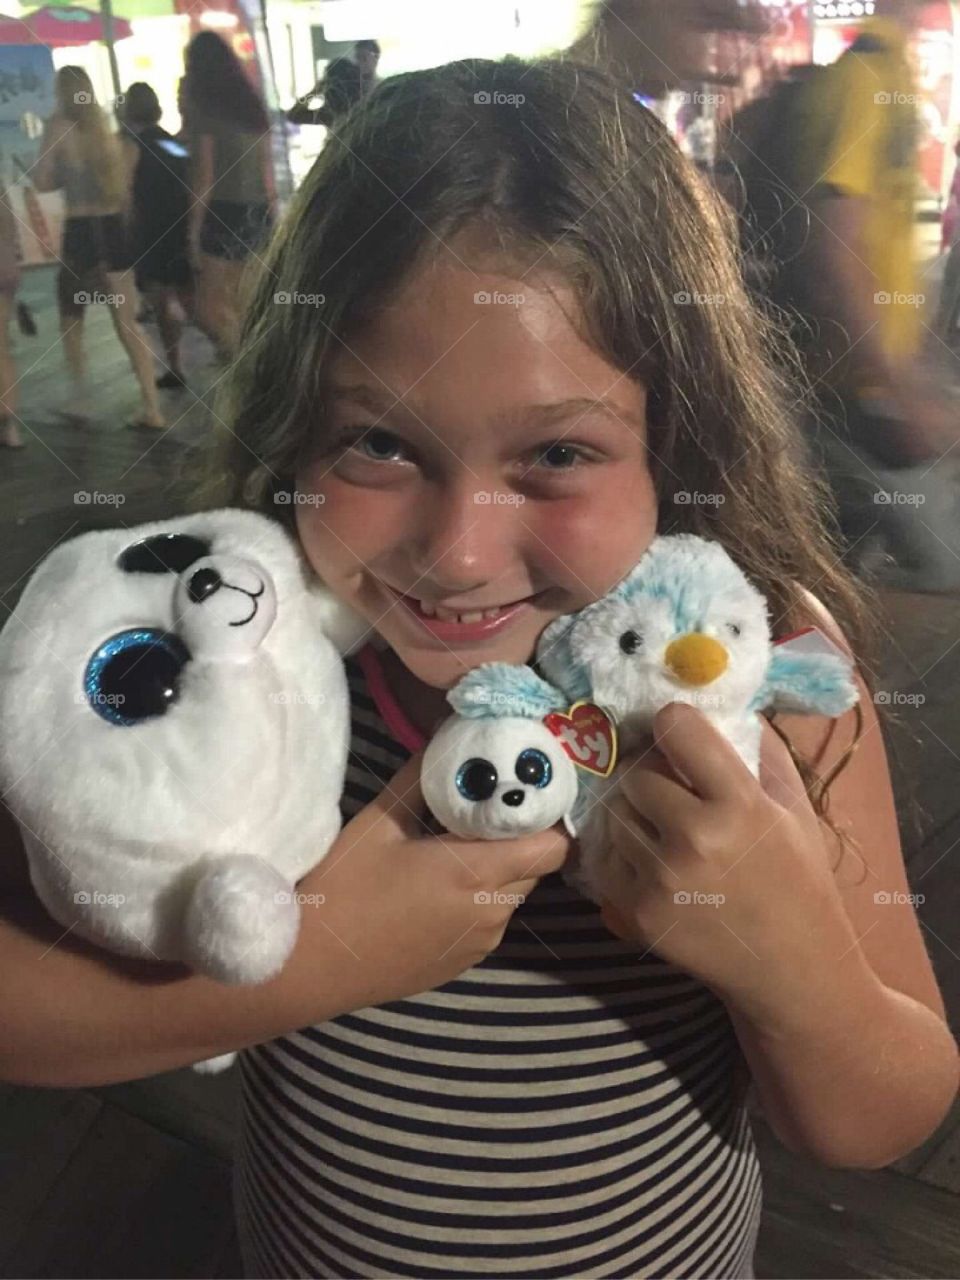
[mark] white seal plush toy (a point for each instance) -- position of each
(491, 779)
(685, 625)
(173, 736)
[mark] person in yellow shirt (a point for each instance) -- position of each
(859, 173)
(880, 427)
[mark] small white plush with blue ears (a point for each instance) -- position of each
(492, 779)
(685, 625)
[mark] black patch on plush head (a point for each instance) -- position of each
(163, 553)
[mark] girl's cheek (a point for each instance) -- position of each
(347, 524)
(589, 543)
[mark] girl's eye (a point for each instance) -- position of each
(379, 446)
(560, 457)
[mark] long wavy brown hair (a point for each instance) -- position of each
(558, 160)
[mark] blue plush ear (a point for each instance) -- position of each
(498, 689)
(555, 659)
(821, 683)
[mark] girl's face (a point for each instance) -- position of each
(484, 469)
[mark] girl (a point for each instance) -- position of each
(534, 346)
(231, 177)
(81, 157)
(533, 339)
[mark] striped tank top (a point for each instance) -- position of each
(566, 1108)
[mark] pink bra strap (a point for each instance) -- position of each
(407, 734)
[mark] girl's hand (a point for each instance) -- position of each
(413, 910)
(725, 876)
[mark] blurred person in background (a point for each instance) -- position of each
(83, 158)
(159, 226)
(9, 283)
(231, 178)
(366, 57)
(340, 87)
(836, 235)
(948, 311)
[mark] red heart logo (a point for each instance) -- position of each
(588, 736)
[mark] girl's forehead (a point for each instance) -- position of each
(483, 332)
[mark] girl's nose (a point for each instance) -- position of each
(466, 540)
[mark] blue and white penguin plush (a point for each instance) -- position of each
(685, 625)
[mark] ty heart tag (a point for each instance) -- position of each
(588, 736)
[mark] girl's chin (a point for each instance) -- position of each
(441, 667)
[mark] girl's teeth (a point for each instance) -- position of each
(450, 615)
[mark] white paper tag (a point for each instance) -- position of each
(811, 640)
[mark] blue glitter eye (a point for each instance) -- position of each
(135, 675)
(534, 768)
(477, 779)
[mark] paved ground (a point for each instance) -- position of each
(132, 1180)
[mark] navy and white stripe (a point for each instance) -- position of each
(564, 1109)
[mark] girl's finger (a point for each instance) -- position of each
(699, 752)
(663, 803)
(623, 820)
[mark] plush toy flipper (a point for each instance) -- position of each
(555, 658)
(498, 690)
(241, 921)
(818, 683)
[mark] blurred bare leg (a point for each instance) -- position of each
(123, 313)
(9, 430)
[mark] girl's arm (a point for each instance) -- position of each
(73, 1015)
(864, 1076)
(822, 967)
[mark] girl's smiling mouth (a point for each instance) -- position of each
(462, 625)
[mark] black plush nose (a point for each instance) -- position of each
(512, 798)
(203, 584)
